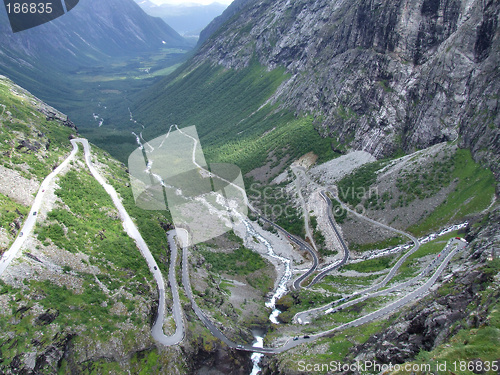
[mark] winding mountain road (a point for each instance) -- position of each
(305, 211)
(182, 235)
(157, 329)
(129, 227)
(303, 245)
(400, 302)
(133, 232)
(345, 258)
(305, 317)
(401, 260)
(30, 221)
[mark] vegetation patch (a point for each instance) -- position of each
(29, 143)
(232, 120)
(302, 300)
(346, 281)
(239, 262)
(95, 228)
(355, 187)
(153, 224)
(370, 265)
(425, 182)
(410, 267)
(319, 239)
(474, 193)
(85, 222)
(273, 201)
(261, 282)
(384, 244)
(10, 211)
(473, 349)
(337, 348)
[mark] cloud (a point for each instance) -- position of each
(204, 2)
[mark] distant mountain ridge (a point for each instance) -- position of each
(92, 32)
(235, 7)
(188, 20)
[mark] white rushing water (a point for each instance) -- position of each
(433, 236)
(287, 276)
(256, 357)
(389, 251)
(280, 291)
(138, 140)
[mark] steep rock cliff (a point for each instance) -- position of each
(378, 75)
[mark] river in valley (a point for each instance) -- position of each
(280, 291)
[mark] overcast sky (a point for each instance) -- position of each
(206, 2)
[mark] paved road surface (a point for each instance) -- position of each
(398, 264)
(402, 301)
(183, 237)
(133, 232)
(345, 258)
(157, 331)
(306, 316)
(130, 228)
(345, 249)
(299, 340)
(305, 211)
(30, 221)
(303, 245)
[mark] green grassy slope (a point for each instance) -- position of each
(22, 121)
(474, 192)
(30, 146)
(81, 284)
(104, 291)
(474, 189)
(230, 109)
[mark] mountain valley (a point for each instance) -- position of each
(188, 20)
(90, 62)
(367, 134)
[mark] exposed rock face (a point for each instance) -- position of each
(384, 75)
(432, 321)
(33, 362)
(431, 324)
(424, 328)
(54, 115)
(221, 361)
(236, 6)
(28, 146)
